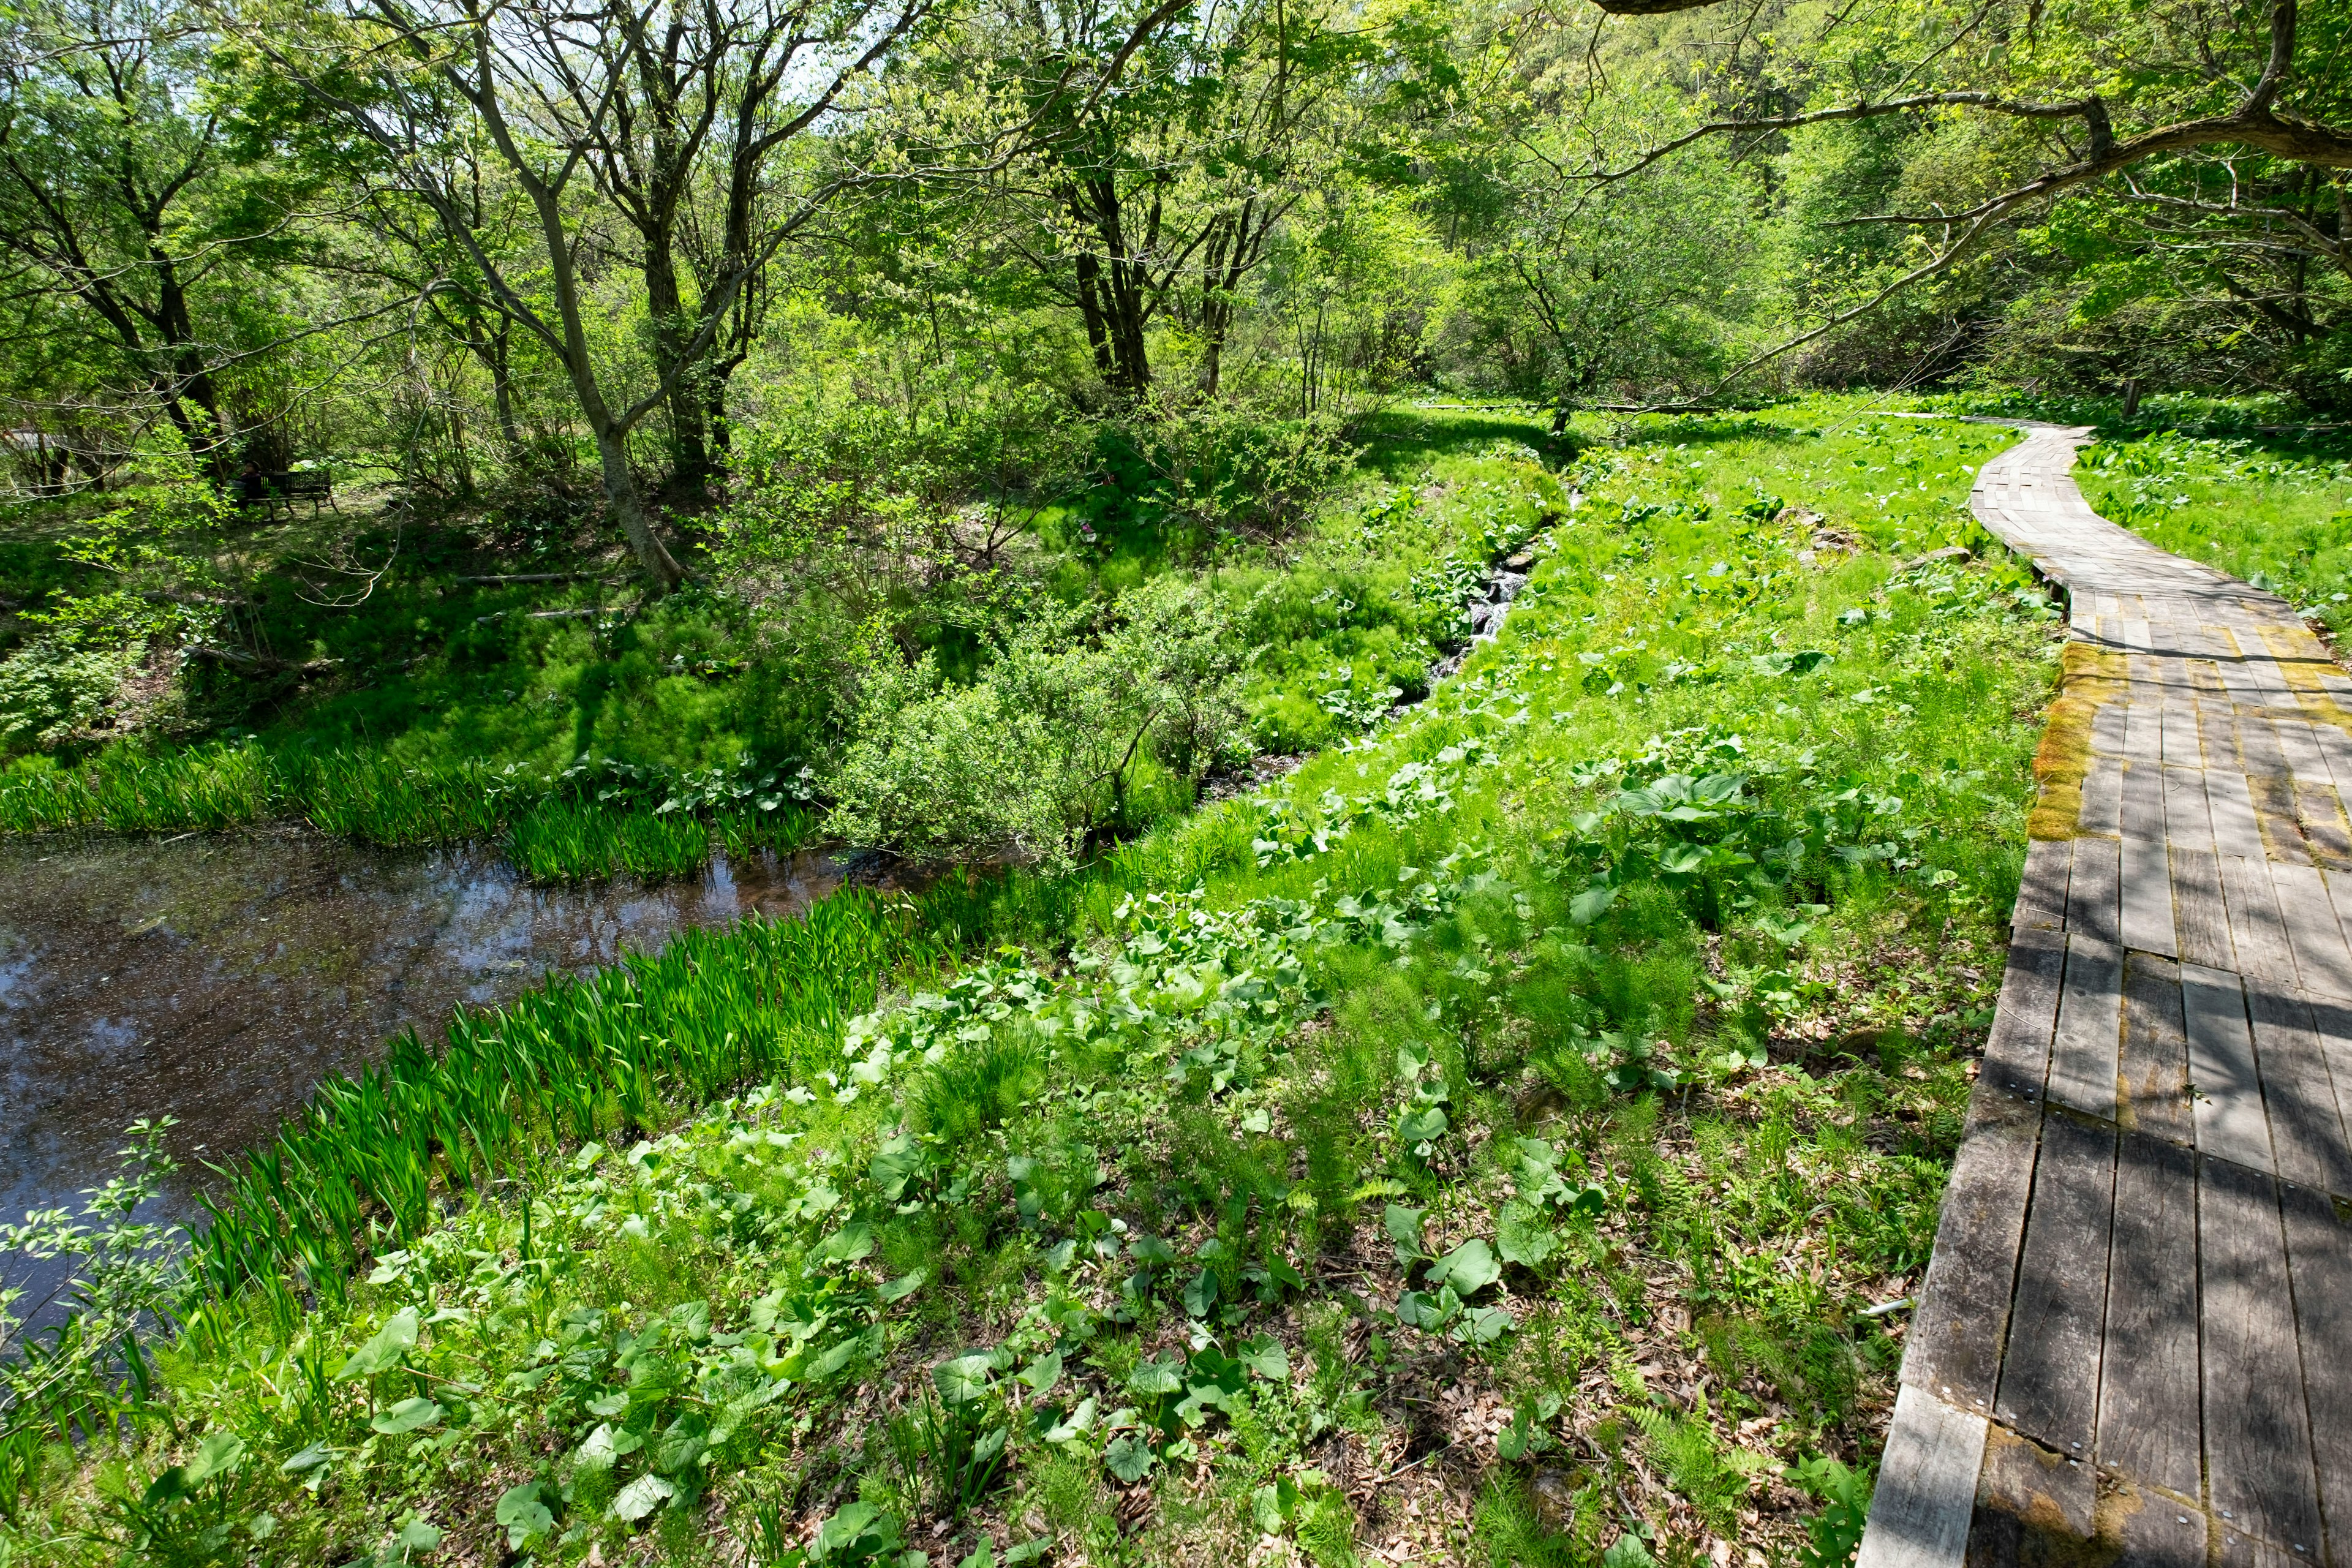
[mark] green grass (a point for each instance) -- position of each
(1590, 1043)
(2277, 512)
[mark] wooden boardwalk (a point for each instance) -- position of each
(2134, 1345)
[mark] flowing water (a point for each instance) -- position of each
(218, 977)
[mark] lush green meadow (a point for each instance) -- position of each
(1487, 1137)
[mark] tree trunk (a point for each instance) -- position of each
(628, 508)
(688, 442)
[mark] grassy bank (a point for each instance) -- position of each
(2275, 510)
(1485, 1141)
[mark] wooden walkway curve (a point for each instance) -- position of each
(2134, 1345)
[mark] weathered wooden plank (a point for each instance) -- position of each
(2101, 814)
(2017, 1052)
(2094, 890)
(2154, 1097)
(2320, 813)
(2050, 1378)
(2187, 823)
(2230, 1119)
(2108, 730)
(2331, 1021)
(2307, 1142)
(2274, 799)
(1926, 1489)
(2147, 1392)
(2323, 964)
(2297, 745)
(2041, 887)
(2336, 746)
(2155, 1531)
(2199, 910)
(2142, 814)
(2183, 746)
(1962, 1321)
(2085, 1048)
(2256, 930)
(2319, 1263)
(2144, 731)
(2032, 1503)
(2233, 808)
(2147, 924)
(2258, 1459)
(2258, 745)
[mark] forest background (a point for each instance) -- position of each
(703, 386)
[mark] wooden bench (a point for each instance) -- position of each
(286, 487)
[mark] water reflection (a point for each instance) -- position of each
(216, 978)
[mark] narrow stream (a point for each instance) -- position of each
(217, 978)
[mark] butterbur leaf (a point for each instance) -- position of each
(1423, 1125)
(1266, 1358)
(1420, 1310)
(523, 1514)
(408, 1416)
(966, 1378)
(1043, 1373)
(1629, 1552)
(1484, 1325)
(1281, 1270)
(1201, 1293)
(1522, 1236)
(1129, 1458)
(1469, 1268)
(1156, 1378)
(1150, 1251)
(394, 1339)
(1081, 1420)
(1404, 1228)
(641, 1496)
(847, 1245)
(416, 1536)
(217, 1454)
(1590, 905)
(311, 1458)
(904, 1285)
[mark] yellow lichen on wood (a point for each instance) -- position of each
(2088, 679)
(2302, 660)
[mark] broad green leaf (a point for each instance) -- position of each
(1156, 1378)
(1469, 1268)
(1201, 1293)
(1266, 1358)
(1129, 1459)
(966, 1378)
(1522, 1236)
(394, 1339)
(1081, 1420)
(641, 1496)
(1043, 1373)
(1404, 1228)
(217, 1454)
(523, 1514)
(408, 1416)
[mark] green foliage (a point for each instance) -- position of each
(1835, 1533)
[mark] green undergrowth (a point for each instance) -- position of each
(1482, 1141)
(2275, 512)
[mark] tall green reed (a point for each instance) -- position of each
(602, 1055)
